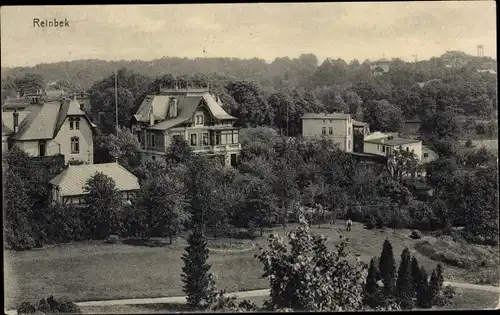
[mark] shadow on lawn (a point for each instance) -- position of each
(152, 242)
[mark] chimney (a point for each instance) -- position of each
(151, 116)
(16, 121)
(173, 107)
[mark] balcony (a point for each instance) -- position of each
(215, 149)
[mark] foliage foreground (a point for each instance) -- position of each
(307, 276)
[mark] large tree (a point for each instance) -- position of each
(18, 212)
(252, 108)
(104, 204)
(383, 116)
(161, 203)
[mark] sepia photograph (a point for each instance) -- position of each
(250, 157)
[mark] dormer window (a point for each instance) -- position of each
(199, 119)
(74, 123)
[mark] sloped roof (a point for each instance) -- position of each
(72, 180)
(44, 121)
(215, 107)
(74, 108)
(392, 142)
(187, 105)
(6, 130)
(326, 116)
(40, 122)
(186, 109)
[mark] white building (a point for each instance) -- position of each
(385, 143)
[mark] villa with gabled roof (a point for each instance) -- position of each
(53, 127)
(194, 115)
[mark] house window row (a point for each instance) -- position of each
(74, 123)
(219, 139)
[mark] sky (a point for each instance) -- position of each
(349, 31)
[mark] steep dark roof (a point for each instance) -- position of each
(45, 120)
(187, 105)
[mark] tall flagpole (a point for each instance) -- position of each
(116, 100)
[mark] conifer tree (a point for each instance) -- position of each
(415, 273)
(404, 283)
(371, 286)
(198, 281)
(434, 287)
(371, 279)
(387, 267)
(423, 290)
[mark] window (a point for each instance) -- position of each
(426, 155)
(349, 145)
(330, 130)
(75, 145)
(205, 138)
(217, 138)
(152, 144)
(349, 131)
(323, 130)
(42, 148)
(77, 124)
(235, 136)
(199, 119)
(324, 121)
(193, 139)
(383, 149)
(153, 158)
(71, 124)
(330, 121)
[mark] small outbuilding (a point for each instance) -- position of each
(69, 186)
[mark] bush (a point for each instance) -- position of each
(59, 224)
(459, 254)
(422, 216)
(49, 306)
(113, 239)
(416, 235)
(26, 308)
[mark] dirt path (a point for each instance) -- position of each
(242, 294)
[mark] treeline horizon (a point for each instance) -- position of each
(83, 73)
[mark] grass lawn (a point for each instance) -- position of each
(97, 271)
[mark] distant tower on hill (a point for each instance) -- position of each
(480, 50)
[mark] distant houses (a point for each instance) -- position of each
(195, 115)
(386, 143)
(379, 67)
(355, 138)
(346, 132)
